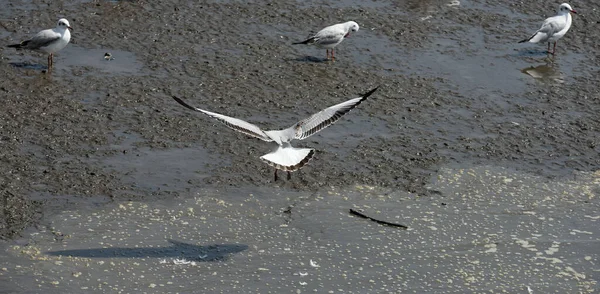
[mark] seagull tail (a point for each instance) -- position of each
(20, 45)
(307, 41)
(528, 39)
(288, 158)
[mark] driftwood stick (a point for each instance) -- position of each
(362, 215)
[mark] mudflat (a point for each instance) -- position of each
(486, 149)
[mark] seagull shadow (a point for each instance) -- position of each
(533, 53)
(216, 252)
(26, 65)
(311, 59)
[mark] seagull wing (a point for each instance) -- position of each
(310, 126)
(41, 39)
(233, 123)
(330, 35)
(550, 27)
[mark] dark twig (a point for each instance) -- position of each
(360, 214)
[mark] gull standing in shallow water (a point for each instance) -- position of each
(331, 36)
(48, 41)
(285, 157)
(553, 28)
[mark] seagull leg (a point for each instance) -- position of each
(275, 175)
(289, 177)
(332, 54)
(327, 54)
(554, 50)
(548, 51)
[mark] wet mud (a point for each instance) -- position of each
(456, 93)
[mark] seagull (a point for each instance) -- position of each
(553, 28)
(285, 157)
(331, 36)
(48, 41)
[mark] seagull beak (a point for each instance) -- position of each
(573, 11)
(70, 28)
(347, 35)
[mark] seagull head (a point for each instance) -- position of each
(566, 8)
(63, 23)
(351, 27)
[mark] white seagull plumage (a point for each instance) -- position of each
(331, 36)
(285, 157)
(553, 28)
(48, 41)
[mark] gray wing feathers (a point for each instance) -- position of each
(317, 122)
(550, 27)
(42, 39)
(545, 32)
(239, 125)
(329, 38)
(233, 123)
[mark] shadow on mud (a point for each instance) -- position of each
(311, 59)
(533, 53)
(26, 65)
(215, 252)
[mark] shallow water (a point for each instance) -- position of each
(119, 62)
(486, 227)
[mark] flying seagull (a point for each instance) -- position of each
(331, 36)
(285, 157)
(554, 27)
(48, 41)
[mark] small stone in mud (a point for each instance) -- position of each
(108, 56)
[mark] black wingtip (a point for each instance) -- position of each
(527, 40)
(20, 45)
(369, 93)
(304, 42)
(183, 103)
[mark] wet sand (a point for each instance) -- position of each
(98, 148)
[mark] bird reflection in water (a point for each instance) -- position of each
(547, 72)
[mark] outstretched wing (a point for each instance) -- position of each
(233, 123)
(310, 126)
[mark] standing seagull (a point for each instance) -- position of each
(553, 28)
(285, 157)
(48, 41)
(331, 36)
